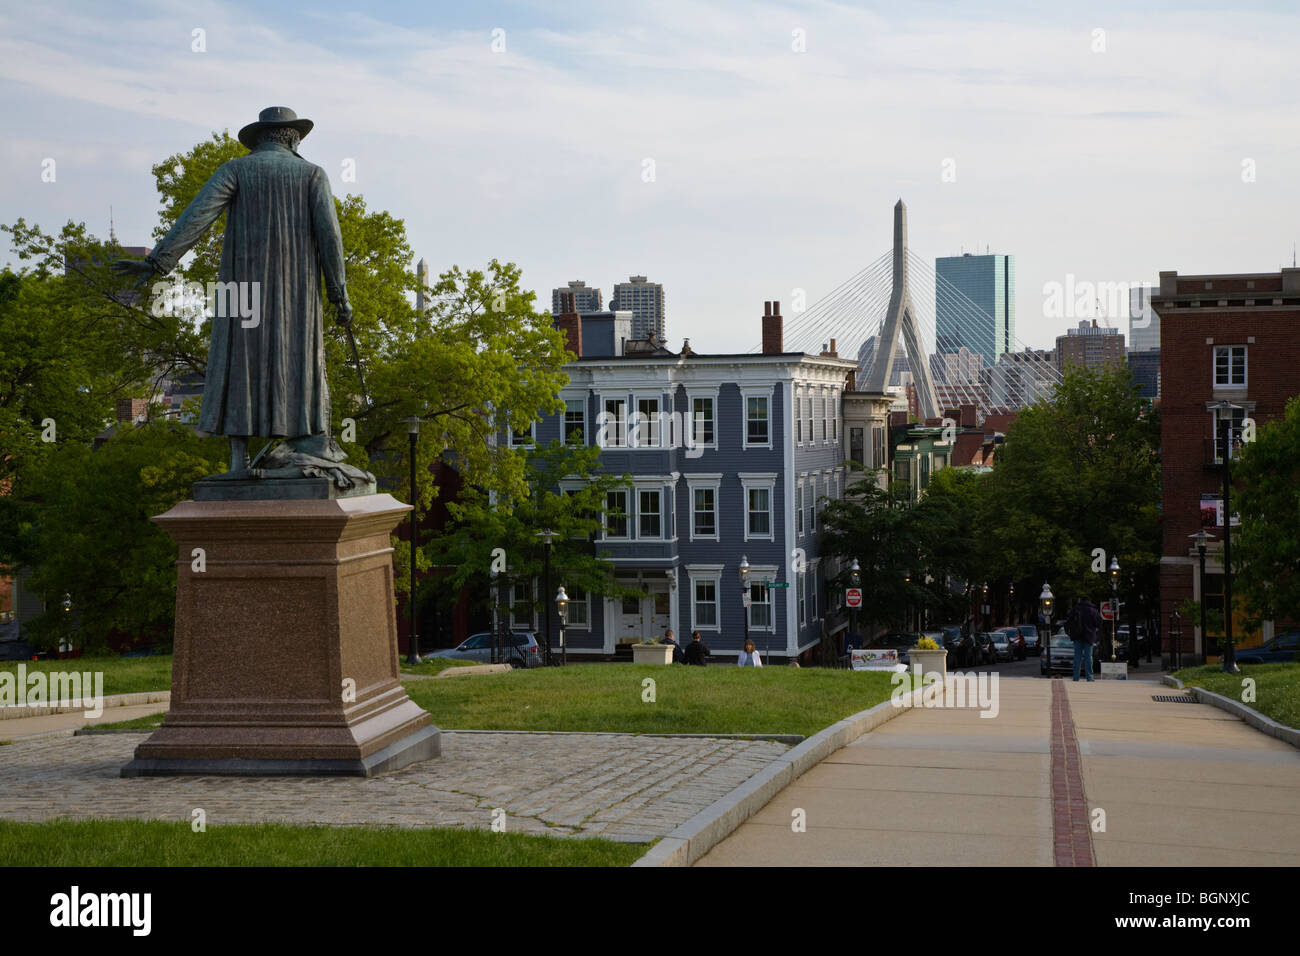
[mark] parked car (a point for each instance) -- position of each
(1121, 641)
(1030, 634)
(962, 649)
(1280, 650)
(522, 650)
(1059, 656)
(988, 654)
(1017, 641)
(16, 651)
(1003, 649)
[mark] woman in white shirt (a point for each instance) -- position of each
(749, 656)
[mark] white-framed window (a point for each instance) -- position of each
(812, 503)
(704, 506)
(613, 423)
(818, 418)
(646, 433)
(758, 420)
(521, 606)
(801, 582)
(808, 416)
(703, 423)
(798, 418)
(833, 413)
(579, 609)
(878, 446)
(575, 421)
(523, 438)
(1219, 418)
(760, 606)
(814, 589)
(649, 513)
(1230, 366)
(617, 514)
(759, 491)
(706, 588)
(798, 506)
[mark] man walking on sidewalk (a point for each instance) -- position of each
(1082, 625)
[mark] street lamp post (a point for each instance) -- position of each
(744, 594)
(854, 579)
(985, 605)
(413, 644)
(1175, 640)
(562, 609)
(1114, 608)
(546, 537)
(1201, 538)
(1011, 601)
(1045, 601)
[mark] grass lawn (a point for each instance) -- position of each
(609, 697)
(1277, 687)
(122, 675)
(159, 843)
(435, 666)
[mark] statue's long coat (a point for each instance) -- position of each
(282, 233)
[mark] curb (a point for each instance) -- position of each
(702, 832)
(791, 739)
(1251, 716)
(17, 712)
(1173, 681)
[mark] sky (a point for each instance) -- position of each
(734, 151)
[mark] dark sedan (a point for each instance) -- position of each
(1280, 650)
(1059, 656)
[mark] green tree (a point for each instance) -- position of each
(1266, 546)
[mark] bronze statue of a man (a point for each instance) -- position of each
(266, 370)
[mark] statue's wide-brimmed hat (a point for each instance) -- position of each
(274, 117)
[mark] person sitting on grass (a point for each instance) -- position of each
(697, 652)
(749, 656)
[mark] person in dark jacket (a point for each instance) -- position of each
(679, 656)
(697, 652)
(1083, 627)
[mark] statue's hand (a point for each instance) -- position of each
(344, 312)
(131, 267)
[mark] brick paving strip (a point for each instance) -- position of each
(1071, 833)
(625, 787)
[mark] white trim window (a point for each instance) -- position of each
(818, 416)
(522, 614)
(833, 413)
(703, 420)
(524, 439)
(613, 422)
(579, 609)
(812, 504)
(1230, 366)
(649, 513)
(1218, 421)
(760, 613)
(705, 594)
(798, 506)
(646, 432)
(801, 582)
(808, 415)
(815, 612)
(798, 417)
(758, 420)
(575, 421)
(617, 515)
(759, 491)
(704, 508)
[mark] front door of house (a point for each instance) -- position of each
(642, 618)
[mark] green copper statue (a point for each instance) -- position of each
(266, 359)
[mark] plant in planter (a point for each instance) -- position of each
(652, 651)
(927, 655)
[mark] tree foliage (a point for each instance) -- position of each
(1266, 546)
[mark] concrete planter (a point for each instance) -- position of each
(652, 653)
(930, 662)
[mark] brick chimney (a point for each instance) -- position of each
(570, 323)
(130, 409)
(967, 419)
(828, 351)
(772, 328)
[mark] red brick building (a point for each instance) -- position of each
(1222, 337)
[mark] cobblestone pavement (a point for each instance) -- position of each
(624, 787)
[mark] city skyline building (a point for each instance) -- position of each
(645, 300)
(988, 283)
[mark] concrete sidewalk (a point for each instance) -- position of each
(20, 728)
(1181, 784)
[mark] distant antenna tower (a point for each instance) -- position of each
(112, 235)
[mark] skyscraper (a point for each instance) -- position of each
(645, 300)
(975, 304)
(585, 300)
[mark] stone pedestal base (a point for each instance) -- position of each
(286, 643)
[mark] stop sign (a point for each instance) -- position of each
(853, 597)
(1107, 612)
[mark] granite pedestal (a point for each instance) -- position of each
(286, 658)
